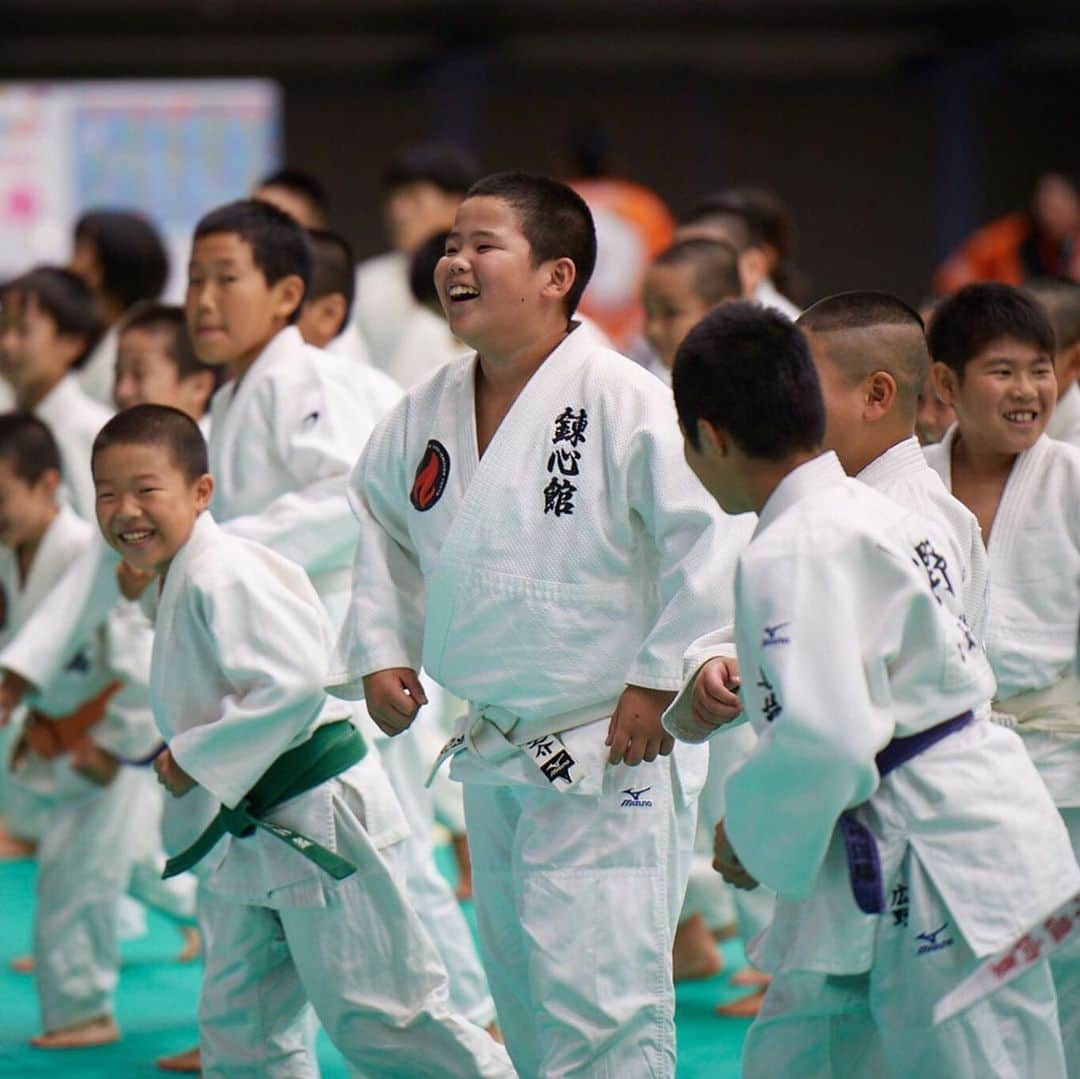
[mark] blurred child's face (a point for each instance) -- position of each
(232, 312)
(672, 308)
(322, 319)
(487, 281)
(145, 372)
(300, 209)
(146, 506)
(933, 417)
(34, 354)
(416, 211)
(86, 263)
(26, 509)
(1005, 398)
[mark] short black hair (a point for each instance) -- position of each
(748, 371)
(67, 300)
(133, 258)
(553, 217)
(422, 268)
(169, 319)
(897, 345)
(445, 164)
(333, 268)
(966, 322)
(279, 245)
(715, 266)
(722, 212)
(28, 445)
(157, 425)
(1060, 300)
(302, 184)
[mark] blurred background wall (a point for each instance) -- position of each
(892, 129)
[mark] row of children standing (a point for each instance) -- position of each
(633, 557)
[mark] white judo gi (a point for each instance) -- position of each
(576, 556)
(382, 304)
(1064, 423)
(97, 375)
(1032, 628)
(241, 643)
(93, 837)
(853, 992)
(74, 420)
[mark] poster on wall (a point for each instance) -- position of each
(169, 149)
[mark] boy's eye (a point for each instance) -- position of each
(148, 490)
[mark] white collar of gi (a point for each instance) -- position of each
(904, 459)
(820, 472)
(203, 535)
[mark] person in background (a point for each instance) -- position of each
(422, 188)
(123, 261)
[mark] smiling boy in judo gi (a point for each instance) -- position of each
(878, 807)
(298, 902)
(529, 528)
(993, 351)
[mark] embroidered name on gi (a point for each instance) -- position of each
(565, 460)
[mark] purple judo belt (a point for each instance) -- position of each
(864, 865)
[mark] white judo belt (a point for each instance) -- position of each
(490, 734)
(1051, 934)
(1055, 708)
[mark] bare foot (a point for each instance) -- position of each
(743, 1008)
(192, 948)
(24, 964)
(100, 1031)
(189, 1062)
(493, 1029)
(695, 955)
(751, 978)
(460, 843)
(12, 847)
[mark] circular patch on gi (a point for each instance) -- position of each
(431, 476)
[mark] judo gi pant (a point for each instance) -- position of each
(427, 889)
(879, 1023)
(363, 961)
(577, 898)
(84, 864)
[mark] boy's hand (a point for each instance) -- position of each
(171, 776)
(132, 581)
(94, 763)
(393, 696)
(13, 688)
(714, 699)
(635, 733)
(726, 862)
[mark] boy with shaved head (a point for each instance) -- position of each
(870, 352)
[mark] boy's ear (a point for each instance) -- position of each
(204, 491)
(287, 295)
(712, 440)
(946, 383)
(200, 386)
(561, 278)
(879, 394)
(1068, 368)
(753, 269)
(50, 482)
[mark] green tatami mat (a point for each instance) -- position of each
(156, 1007)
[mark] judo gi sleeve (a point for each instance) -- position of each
(270, 649)
(816, 636)
(384, 625)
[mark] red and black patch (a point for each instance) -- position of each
(431, 476)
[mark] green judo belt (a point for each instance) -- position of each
(331, 750)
